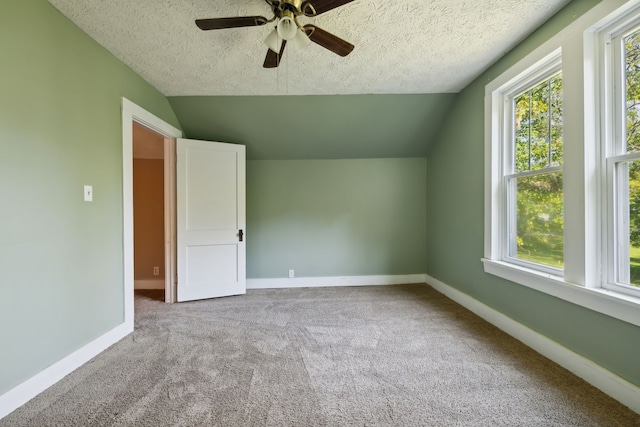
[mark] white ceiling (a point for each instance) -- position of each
(410, 46)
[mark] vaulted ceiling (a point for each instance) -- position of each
(389, 96)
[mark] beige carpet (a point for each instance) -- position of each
(367, 356)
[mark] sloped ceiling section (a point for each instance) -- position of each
(409, 46)
(317, 127)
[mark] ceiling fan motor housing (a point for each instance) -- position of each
(293, 5)
(298, 7)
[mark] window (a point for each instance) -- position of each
(529, 186)
(621, 148)
(533, 178)
(562, 165)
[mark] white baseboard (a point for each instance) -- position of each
(317, 282)
(21, 394)
(618, 388)
(148, 284)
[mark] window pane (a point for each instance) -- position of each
(522, 133)
(538, 126)
(539, 219)
(632, 74)
(540, 143)
(556, 120)
(628, 223)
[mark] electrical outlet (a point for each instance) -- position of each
(291, 274)
(156, 271)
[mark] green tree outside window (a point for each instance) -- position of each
(539, 198)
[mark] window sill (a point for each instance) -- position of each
(619, 306)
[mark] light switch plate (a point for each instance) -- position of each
(88, 193)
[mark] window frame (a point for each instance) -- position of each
(502, 152)
(585, 184)
(543, 71)
(612, 106)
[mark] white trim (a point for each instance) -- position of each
(133, 113)
(618, 388)
(619, 306)
(500, 174)
(319, 282)
(587, 269)
(149, 284)
(170, 220)
(539, 64)
(21, 394)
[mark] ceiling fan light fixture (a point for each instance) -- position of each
(274, 41)
(287, 28)
(302, 40)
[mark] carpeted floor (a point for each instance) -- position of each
(363, 356)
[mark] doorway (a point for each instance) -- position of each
(210, 223)
(150, 253)
(133, 115)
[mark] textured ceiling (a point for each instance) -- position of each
(410, 46)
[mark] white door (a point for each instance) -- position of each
(210, 219)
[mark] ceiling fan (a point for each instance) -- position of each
(286, 13)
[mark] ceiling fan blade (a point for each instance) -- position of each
(322, 6)
(222, 23)
(327, 40)
(273, 59)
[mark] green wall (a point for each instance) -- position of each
(60, 128)
(317, 127)
(336, 185)
(336, 217)
(455, 218)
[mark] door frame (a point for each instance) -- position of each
(132, 113)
